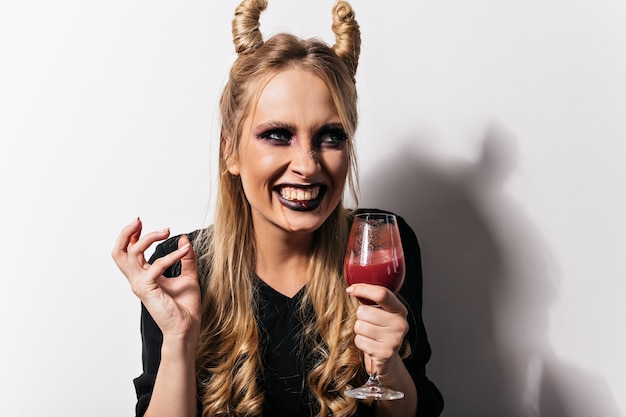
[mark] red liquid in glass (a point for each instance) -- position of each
(382, 270)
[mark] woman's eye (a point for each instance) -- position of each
(278, 136)
(332, 138)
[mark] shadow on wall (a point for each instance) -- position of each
(488, 285)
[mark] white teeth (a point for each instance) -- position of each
(300, 194)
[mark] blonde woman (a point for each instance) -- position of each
(251, 316)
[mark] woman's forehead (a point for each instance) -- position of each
(292, 93)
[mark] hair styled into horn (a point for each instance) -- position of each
(247, 36)
(347, 35)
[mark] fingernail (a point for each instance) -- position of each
(167, 229)
(350, 290)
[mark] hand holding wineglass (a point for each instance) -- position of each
(375, 256)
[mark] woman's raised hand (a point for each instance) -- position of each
(173, 303)
(379, 330)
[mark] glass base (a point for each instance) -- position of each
(374, 390)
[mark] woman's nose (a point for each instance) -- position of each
(305, 161)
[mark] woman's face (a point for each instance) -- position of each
(293, 156)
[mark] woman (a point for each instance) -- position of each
(258, 320)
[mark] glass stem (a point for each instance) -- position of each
(373, 373)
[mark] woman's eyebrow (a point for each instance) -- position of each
(275, 124)
(331, 126)
(290, 127)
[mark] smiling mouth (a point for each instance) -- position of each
(301, 197)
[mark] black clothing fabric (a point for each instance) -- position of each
(284, 364)
(285, 361)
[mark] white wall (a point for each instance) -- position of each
(494, 127)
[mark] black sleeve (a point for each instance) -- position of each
(152, 337)
(430, 400)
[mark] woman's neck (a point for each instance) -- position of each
(282, 260)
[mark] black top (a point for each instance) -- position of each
(284, 360)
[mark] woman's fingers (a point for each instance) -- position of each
(136, 251)
(173, 303)
(129, 234)
(128, 252)
(379, 295)
(137, 225)
(378, 325)
(145, 282)
(381, 342)
(379, 330)
(188, 261)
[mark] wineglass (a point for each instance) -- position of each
(375, 256)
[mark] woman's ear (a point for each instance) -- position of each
(233, 165)
(232, 161)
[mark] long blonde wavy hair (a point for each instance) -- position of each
(229, 363)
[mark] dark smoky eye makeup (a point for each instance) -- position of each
(332, 136)
(278, 135)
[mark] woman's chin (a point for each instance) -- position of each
(304, 221)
